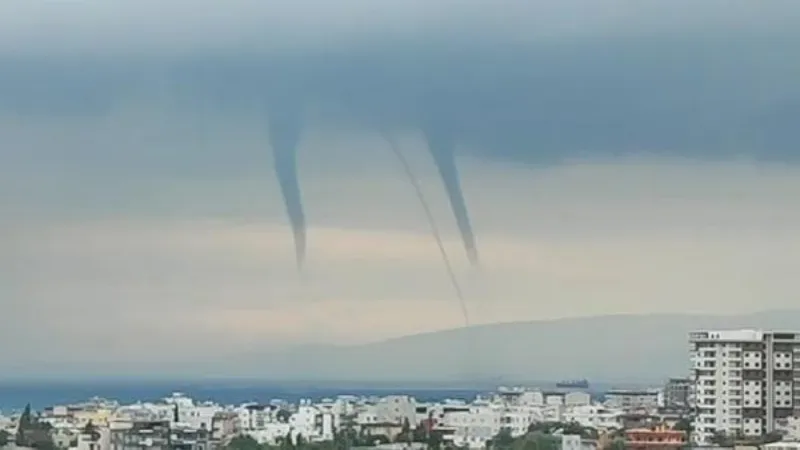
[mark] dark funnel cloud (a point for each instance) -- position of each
(442, 147)
(284, 134)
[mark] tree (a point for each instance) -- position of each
(420, 434)
(340, 439)
(503, 439)
(44, 444)
(24, 427)
(538, 441)
(343, 439)
(573, 428)
(617, 444)
(406, 434)
(722, 439)
(32, 433)
(684, 424)
(409, 435)
(243, 443)
(5, 438)
(288, 442)
(283, 415)
(539, 426)
(91, 430)
(435, 440)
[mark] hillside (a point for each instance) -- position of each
(620, 348)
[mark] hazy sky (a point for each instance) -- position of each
(616, 156)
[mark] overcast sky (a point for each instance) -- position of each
(616, 156)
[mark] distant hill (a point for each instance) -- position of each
(618, 348)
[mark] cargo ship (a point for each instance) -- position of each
(573, 384)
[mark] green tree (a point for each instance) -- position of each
(299, 441)
(406, 425)
(5, 438)
(32, 433)
(722, 439)
(543, 441)
(543, 427)
(617, 444)
(684, 424)
(288, 442)
(530, 441)
(435, 440)
(44, 444)
(91, 430)
(420, 434)
(343, 439)
(574, 428)
(503, 439)
(24, 427)
(243, 443)
(406, 434)
(283, 415)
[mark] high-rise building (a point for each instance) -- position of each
(743, 381)
(676, 393)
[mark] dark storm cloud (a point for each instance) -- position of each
(702, 96)
(717, 93)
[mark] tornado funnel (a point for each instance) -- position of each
(284, 137)
(442, 147)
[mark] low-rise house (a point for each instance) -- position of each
(661, 438)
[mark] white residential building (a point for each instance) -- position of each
(396, 409)
(191, 414)
(743, 381)
(790, 428)
(631, 400)
(782, 446)
(204, 425)
(474, 427)
(254, 416)
(594, 416)
(577, 398)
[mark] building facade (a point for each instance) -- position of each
(631, 400)
(656, 438)
(743, 381)
(676, 393)
(140, 435)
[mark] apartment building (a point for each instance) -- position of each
(629, 400)
(676, 393)
(743, 381)
(140, 435)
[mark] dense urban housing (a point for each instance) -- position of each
(739, 393)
